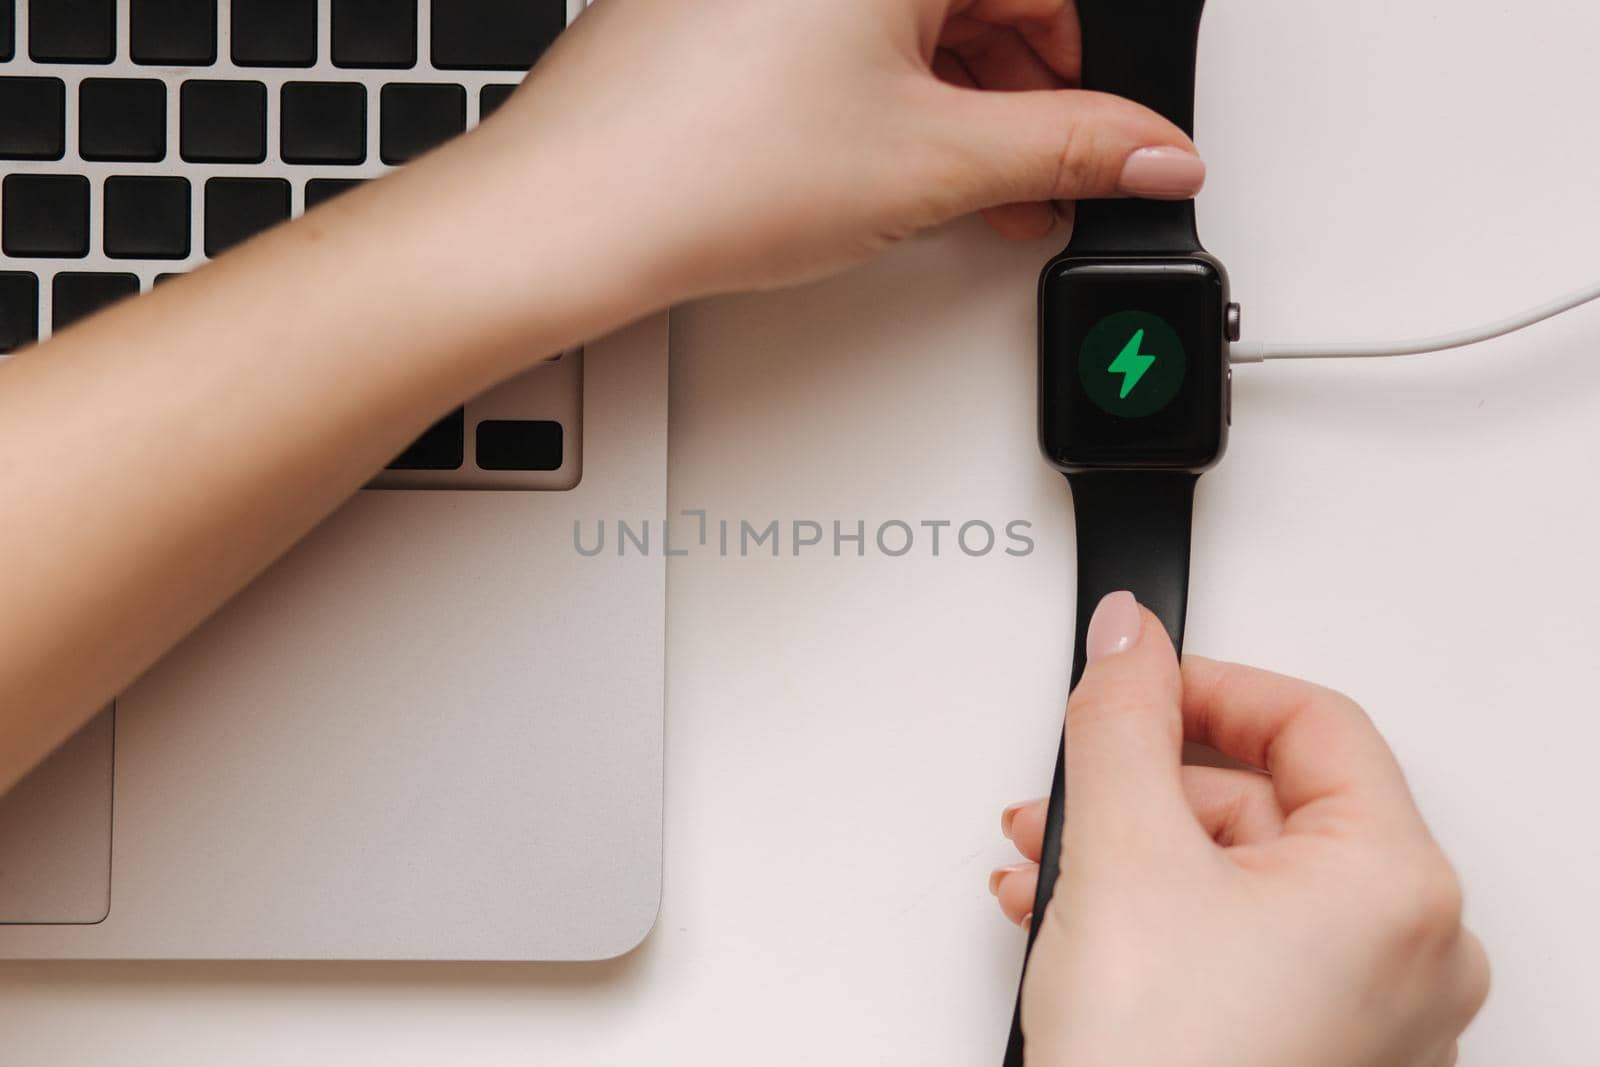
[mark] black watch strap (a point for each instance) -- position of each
(1143, 50)
(1133, 526)
(1133, 534)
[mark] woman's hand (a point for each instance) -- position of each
(767, 142)
(1204, 916)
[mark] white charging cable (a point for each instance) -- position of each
(1257, 351)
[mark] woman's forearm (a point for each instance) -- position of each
(161, 455)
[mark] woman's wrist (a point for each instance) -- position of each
(519, 240)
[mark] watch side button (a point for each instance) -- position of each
(1227, 398)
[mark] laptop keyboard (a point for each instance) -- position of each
(141, 138)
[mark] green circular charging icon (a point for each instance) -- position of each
(1132, 364)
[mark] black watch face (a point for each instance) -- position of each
(1131, 365)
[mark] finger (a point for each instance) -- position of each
(1066, 213)
(1124, 733)
(998, 58)
(1017, 222)
(948, 68)
(1234, 807)
(942, 20)
(1066, 144)
(1050, 27)
(960, 30)
(1052, 32)
(1326, 758)
(995, 57)
(1447, 1056)
(1023, 825)
(1470, 968)
(1008, 10)
(1058, 41)
(1014, 887)
(1022, 222)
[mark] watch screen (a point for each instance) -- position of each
(1131, 366)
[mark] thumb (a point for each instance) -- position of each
(1124, 736)
(1066, 144)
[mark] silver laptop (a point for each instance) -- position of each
(434, 731)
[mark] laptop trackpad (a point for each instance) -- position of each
(55, 834)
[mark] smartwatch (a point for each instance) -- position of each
(1135, 319)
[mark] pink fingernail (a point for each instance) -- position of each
(1115, 626)
(1026, 921)
(1008, 817)
(1000, 874)
(1162, 173)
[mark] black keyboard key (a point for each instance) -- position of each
(223, 122)
(321, 190)
(45, 215)
(494, 34)
(491, 97)
(77, 296)
(519, 445)
(8, 30)
(173, 33)
(19, 309)
(239, 208)
(72, 31)
(147, 218)
(417, 117)
(33, 118)
(375, 33)
(122, 118)
(442, 448)
(324, 122)
(163, 279)
(275, 33)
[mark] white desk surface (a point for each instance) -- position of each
(842, 733)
